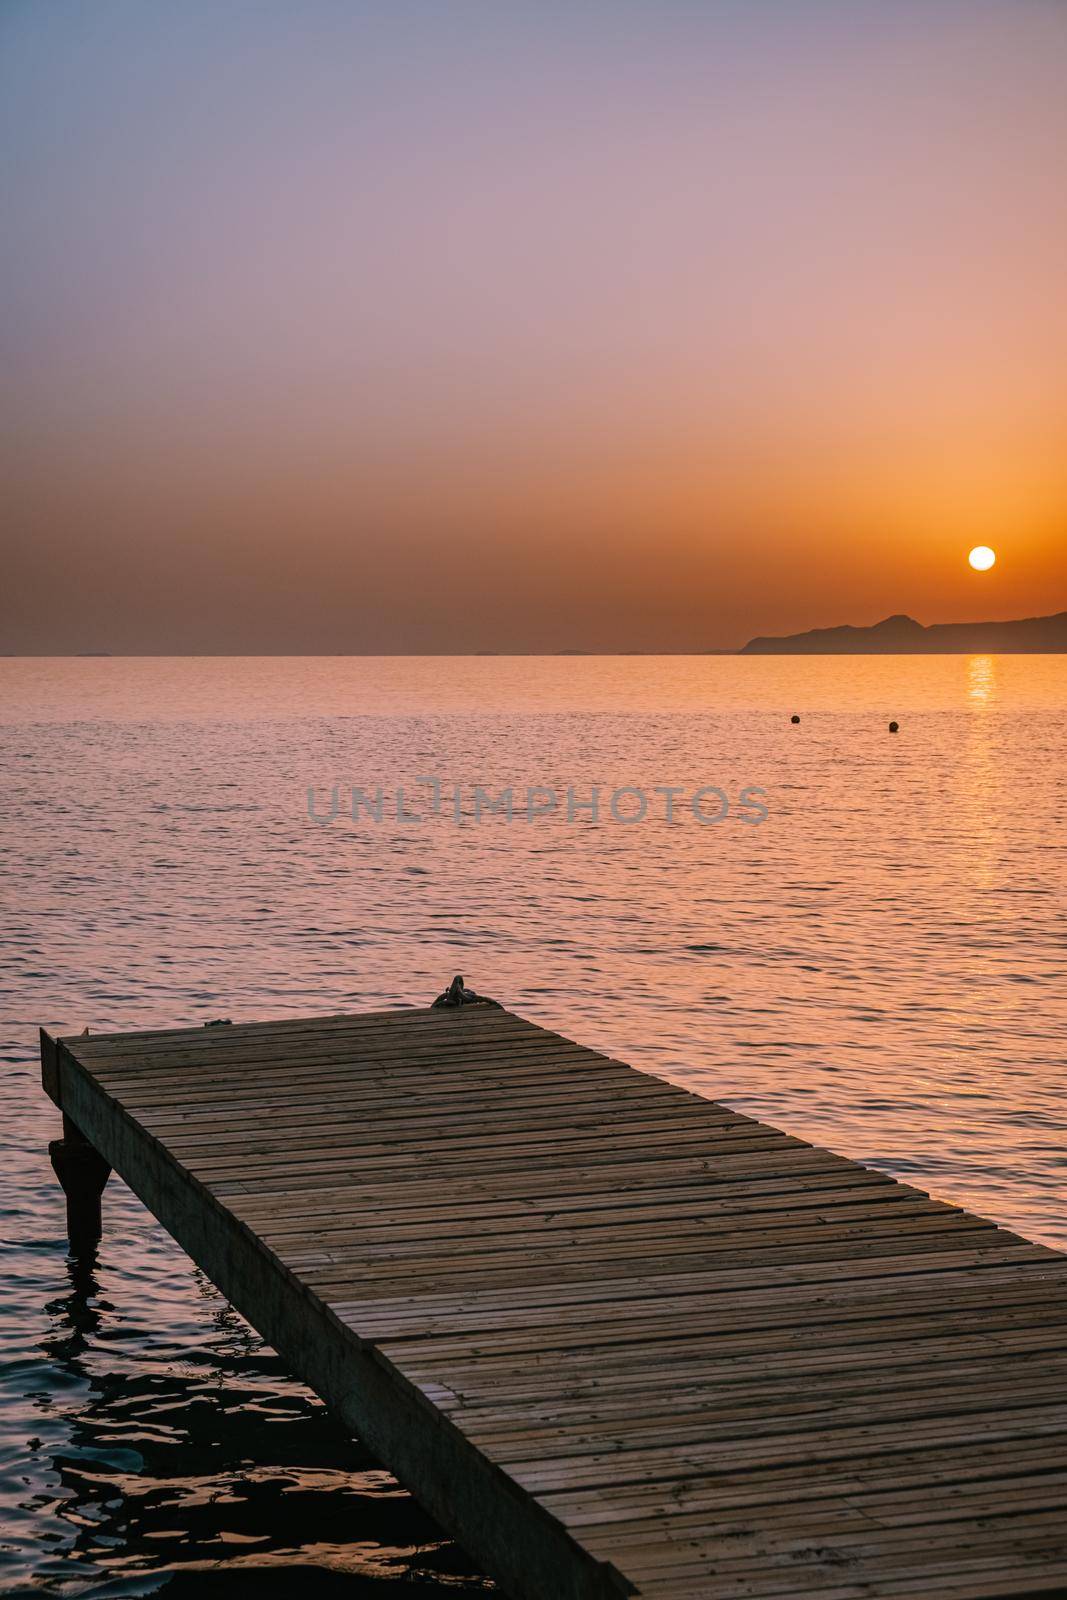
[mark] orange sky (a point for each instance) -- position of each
(374, 328)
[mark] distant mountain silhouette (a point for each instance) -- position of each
(904, 636)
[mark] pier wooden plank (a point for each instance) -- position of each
(616, 1337)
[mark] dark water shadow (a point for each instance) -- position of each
(220, 1475)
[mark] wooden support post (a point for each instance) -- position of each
(83, 1172)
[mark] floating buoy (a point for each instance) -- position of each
(894, 727)
(794, 719)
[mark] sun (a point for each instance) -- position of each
(982, 558)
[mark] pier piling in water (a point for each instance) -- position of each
(83, 1172)
(617, 1338)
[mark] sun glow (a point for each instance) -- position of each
(982, 557)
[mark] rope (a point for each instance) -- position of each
(458, 995)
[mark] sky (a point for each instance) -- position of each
(431, 325)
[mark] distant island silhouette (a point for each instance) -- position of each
(902, 635)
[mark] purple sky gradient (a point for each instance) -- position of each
(332, 327)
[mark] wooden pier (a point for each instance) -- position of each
(616, 1338)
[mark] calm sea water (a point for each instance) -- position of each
(879, 966)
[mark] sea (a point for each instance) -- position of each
(855, 934)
